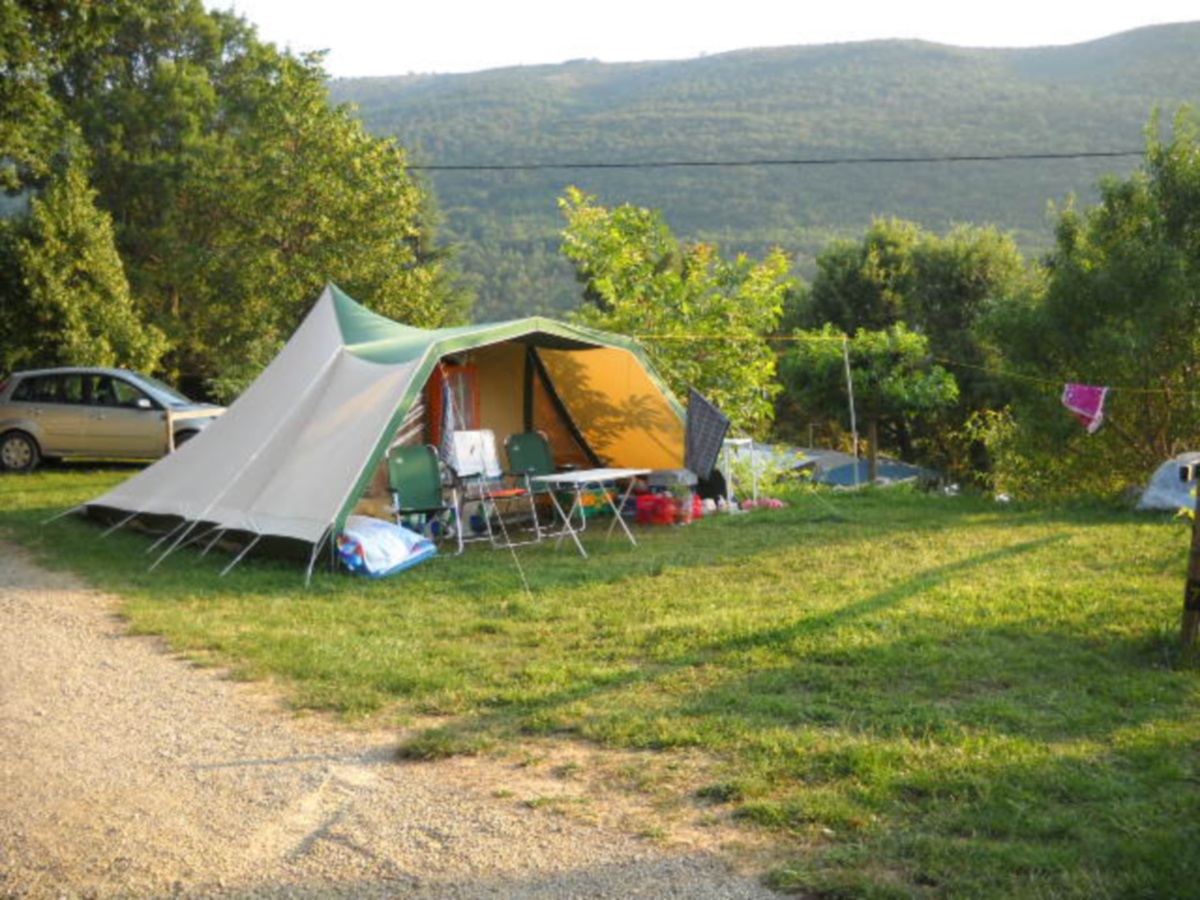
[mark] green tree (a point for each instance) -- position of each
(235, 188)
(76, 307)
(306, 197)
(703, 319)
(957, 278)
(867, 283)
(1120, 307)
(938, 286)
(891, 372)
(33, 128)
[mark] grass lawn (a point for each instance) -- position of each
(909, 695)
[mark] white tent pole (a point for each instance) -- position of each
(312, 560)
(125, 521)
(216, 536)
(179, 540)
(166, 537)
(237, 559)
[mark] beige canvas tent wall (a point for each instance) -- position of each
(299, 449)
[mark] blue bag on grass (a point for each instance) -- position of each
(376, 548)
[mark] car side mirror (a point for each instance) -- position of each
(144, 403)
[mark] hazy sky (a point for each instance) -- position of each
(395, 37)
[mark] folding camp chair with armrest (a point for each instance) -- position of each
(477, 468)
(415, 479)
(529, 455)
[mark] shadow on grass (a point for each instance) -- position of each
(1034, 823)
(822, 678)
(996, 761)
(932, 684)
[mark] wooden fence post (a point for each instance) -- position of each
(1191, 593)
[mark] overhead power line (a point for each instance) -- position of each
(751, 163)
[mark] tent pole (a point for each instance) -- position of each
(217, 532)
(57, 516)
(561, 408)
(237, 559)
(850, 394)
(199, 537)
(527, 388)
(166, 537)
(312, 559)
(125, 521)
(174, 546)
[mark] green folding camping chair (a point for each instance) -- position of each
(529, 455)
(485, 484)
(415, 479)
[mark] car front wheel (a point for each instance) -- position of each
(18, 452)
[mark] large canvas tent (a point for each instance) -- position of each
(307, 440)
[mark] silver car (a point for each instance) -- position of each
(95, 413)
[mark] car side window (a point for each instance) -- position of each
(28, 391)
(126, 395)
(71, 389)
(102, 393)
(50, 389)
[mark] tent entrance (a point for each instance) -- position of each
(506, 389)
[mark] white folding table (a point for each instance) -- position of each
(580, 480)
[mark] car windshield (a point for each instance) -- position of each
(164, 392)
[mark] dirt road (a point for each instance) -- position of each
(127, 772)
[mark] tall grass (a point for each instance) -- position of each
(913, 696)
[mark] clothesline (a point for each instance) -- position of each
(1055, 384)
(1050, 382)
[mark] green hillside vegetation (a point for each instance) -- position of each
(834, 103)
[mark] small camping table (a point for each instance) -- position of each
(579, 481)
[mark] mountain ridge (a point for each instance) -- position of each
(831, 102)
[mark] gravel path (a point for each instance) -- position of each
(127, 772)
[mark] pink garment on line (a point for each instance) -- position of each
(1087, 402)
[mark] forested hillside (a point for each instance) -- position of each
(832, 104)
